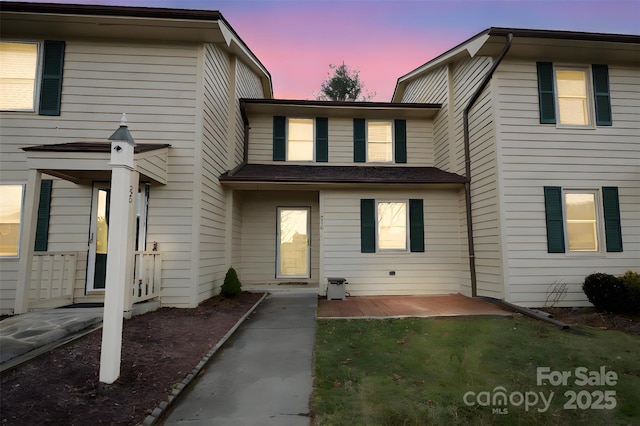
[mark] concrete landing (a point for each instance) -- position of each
(30, 334)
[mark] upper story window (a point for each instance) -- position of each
(574, 96)
(300, 139)
(379, 141)
(573, 102)
(18, 76)
(31, 76)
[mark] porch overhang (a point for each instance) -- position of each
(86, 162)
(275, 176)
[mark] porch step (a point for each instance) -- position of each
(292, 287)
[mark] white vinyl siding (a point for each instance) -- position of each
(433, 87)
(435, 271)
(156, 86)
(419, 142)
(452, 86)
(467, 76)
(259, 239)
(212, 211)
(534, 156)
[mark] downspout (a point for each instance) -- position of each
(467, 162)
(245, 141)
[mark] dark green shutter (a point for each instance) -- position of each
(322, 139)
(416, 225)
(51, 85)
(601, 94)
(367, 226)
(42, 224)
(279, 138)
(612, 226)
(359, 140)
(553, 215)
(400, 130)
(546, 96)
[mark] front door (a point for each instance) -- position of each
(98, 238)
(99, 232)
(293, 257)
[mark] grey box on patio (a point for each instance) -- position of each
(336, 288)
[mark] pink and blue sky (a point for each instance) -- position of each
(296, 40)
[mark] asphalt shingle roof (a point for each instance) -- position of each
(341, 174)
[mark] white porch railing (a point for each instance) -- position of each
(52, 279)
(146, 277)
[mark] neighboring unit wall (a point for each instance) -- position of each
(259, 233)
(435, 271)
(535, 155)
(467, 76)
(452, 85)
(225, 81)
(212, 209)
(155, 85)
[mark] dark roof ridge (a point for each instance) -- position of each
(564, 34)
(359, 104)
(110, 10)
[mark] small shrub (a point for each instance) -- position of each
(231, 286)
(605, 291)
(631, 283)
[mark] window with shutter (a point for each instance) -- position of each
(575, 219)
(387, 226)
(564, 95)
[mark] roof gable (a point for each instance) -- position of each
(570, 46)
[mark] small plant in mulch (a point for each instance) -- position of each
(614, 294)
(232, 287)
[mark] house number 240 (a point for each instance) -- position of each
(130, 194)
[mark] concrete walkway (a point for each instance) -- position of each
(262, 375)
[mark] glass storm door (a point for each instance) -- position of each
(98, 238)
(99, 232)
(293, 257)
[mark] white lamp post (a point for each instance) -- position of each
(124, 191)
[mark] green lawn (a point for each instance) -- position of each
(454, 371)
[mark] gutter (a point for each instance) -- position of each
(245, 141)
(467, 162)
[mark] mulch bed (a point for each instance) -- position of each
(159, 349)
(628, 323)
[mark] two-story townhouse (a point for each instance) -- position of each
(67, 74)
(347, 190)
(550, 121)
